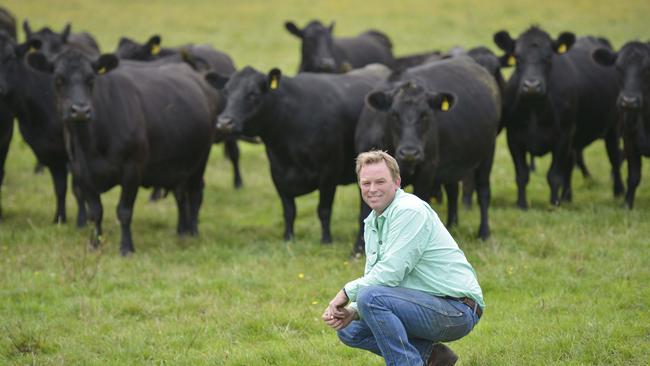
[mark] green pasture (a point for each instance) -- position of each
(564, 286)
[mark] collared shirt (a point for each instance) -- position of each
(408, 246)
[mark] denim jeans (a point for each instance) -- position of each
(402, 325)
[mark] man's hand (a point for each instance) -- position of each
(337, 306)
(340, 323)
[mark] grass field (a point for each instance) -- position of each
(564, 286)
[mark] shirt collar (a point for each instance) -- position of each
(373, 215)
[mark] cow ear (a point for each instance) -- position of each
(31, 45)
(153, 45)
(504, 41)
(105, 63)
(27, 28)
(293, 29)
(38, 61)
(274, 78)
(217, 81)
(604, 56)
(563, 42)
(441, 101)
(380, 100)
(331, 27)
(66, 33)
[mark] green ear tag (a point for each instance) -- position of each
(155, 49)
(512, 61)
(561, 48)
(445, 105)
(274, 83)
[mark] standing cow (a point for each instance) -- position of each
(53, 42)
(557, 103)
(136, 125)
(440, 121)
(322, 52)
(632, 64)
(307, 124)
(8, 28)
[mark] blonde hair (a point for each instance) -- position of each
(375, 157)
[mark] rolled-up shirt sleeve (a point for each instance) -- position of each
(407, 234)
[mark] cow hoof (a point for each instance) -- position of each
(326, 240)
(126, 252)
(58, 220)
(484, 234)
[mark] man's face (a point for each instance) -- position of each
(377, 186)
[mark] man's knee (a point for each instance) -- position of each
(348, 336)
(369, 295)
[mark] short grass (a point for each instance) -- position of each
(564, 286)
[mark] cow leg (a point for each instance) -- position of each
(82, 215)
(559, 174)
(482, 179)
(231, 149)
(469, 185)
(518, 154)
(364, 211)
(183, 206)
(633, 174)
(95, 214)
(580, 161)
(59, 178)
(531, 166)
(6, 131)
(614, 155)
(325, 202)
(130, 183)
(195, 199)
(289, 210)
(452, 203)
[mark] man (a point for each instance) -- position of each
(418, 289)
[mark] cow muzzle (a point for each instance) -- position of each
(79, 112)
(225, 124)
(532, 87)
(409, 155)
(628, 101)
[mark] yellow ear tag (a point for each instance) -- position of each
(561, 48)
(32, 49)
(101, 71)
(512, 61)
(445, 105)
(274, 83)
(155, 49)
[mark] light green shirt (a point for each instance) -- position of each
(408, 246)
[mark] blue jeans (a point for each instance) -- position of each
(402, 325)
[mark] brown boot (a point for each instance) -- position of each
(442, 355)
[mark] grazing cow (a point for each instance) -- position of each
(204, 58)
(28, 94)
(557, 103)
(53, 43)
(632, 64)
(321, 52)
(307, 124)
(135, 125)
(440, 121)
(7, 25)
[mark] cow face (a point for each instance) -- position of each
(74, 77)
(51, 42)
(486, 58)
(411, 113)
(131, 50)
(632, 63)
(317, 46)
(11, 58)
(245, 92)
(532, 55)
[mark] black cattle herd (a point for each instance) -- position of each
(148, 116)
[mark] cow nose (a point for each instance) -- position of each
(327, 64)
(408, 154)
(532, 86)
(225, 123)
(80, 110)
(629, 101)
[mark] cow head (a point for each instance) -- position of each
(411, 112)
(246, 92)
(317, 46)
(532, 55)
(131, 50)
(74, 77)
(51, 42)
(632, 63)
(486, 58)
(11, 58)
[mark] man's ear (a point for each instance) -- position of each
(274, 78)
(604, 56)
(66, 33)
(153, 45)
(293, 29)
(380, 100)
(564, 42)
(38, 61)
(441, 101)
(105, 63)
(216, 80)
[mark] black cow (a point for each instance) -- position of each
(321, 52)
(8, 26)
(632, 64)
(557, 103)
(53, 42)
(203, 58)
(133, 126)
(440, 121)
(7, 22)
(307, 124)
